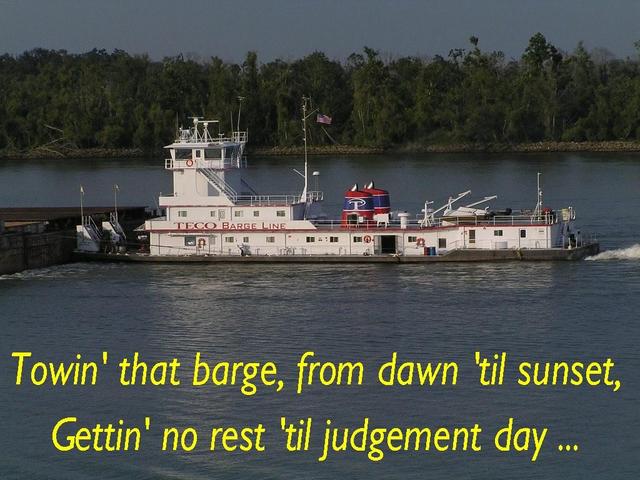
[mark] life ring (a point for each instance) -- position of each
(201, 242)
(420, 242)
(189, 163)
(367, 239)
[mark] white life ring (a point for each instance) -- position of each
(189, 163)
(420, 242)
(367, 239)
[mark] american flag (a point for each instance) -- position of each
(326, 119)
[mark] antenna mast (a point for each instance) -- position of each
(538, 210)
(240, 99)
(305, 115)
(303, 197)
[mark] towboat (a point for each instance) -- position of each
(214, 215)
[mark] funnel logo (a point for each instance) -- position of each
(356, 203)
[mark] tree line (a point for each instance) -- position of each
(116, 100)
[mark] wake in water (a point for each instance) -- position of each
(629, 253)
(55, 271)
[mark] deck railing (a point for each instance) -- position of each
(443, 222)
(286, 199)
(203, 136)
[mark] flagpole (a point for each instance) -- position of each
(327, 133)
(81, 205)
(116, 189)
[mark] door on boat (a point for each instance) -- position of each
(472, 238)
(387, 244)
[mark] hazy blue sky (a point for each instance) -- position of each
(293, 28)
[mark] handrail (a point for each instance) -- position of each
(115, 224)
(218, 182)
(92, 228)
(439, 223)
(280, 199)
(195, 136)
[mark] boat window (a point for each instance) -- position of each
(442, 243)
(256, 213)
(213, 213)
(238, 213)
(311, 239)
(357, 239)
(182, 213)
(190, 241)
(271, 239)
(229, 152)
(229, 239)
(523, 234)
(497, 233)
(182, 154)
(221, 214)
(281, 213)
(198, 153)
(333, 239)
(245, 239)
(212, 153)
(412, 239)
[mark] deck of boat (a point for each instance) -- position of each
(461, 255)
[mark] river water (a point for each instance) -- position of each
(542, 312)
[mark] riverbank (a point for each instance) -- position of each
(536, 147)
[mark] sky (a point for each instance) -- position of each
(290, 29)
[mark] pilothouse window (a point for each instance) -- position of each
(212, 153)
(229, 152)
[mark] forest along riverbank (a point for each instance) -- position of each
(547, 147)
